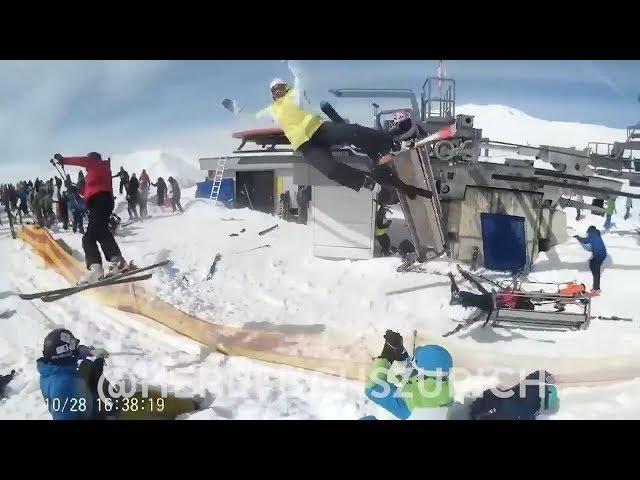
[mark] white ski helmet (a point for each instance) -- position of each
(276, 81)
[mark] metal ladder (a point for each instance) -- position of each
(217, 179)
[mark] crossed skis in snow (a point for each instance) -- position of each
(127, 276)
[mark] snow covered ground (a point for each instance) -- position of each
(284, 286)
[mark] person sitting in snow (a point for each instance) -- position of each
(427, 389)
(73, 388)
(69, 374)
(598, 255)
(540, 395)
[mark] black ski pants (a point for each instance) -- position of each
(595, 265)
(317, 150)
(385, 243)
(100, 208)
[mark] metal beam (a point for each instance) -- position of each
(576, 188)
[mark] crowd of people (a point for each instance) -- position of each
(137, 193)
(48, 202)
(55, 201)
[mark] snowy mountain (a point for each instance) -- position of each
(160, 164)
(507, 124)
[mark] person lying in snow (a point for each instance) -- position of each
(70, 379)
(427, 387)
(314, 137)
(598, 255)
(529, 398)
(506, 298)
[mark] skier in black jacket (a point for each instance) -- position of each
(124, 178)
(132, 196)
(161, 190)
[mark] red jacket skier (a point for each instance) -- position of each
(98, 194)
(98, 178)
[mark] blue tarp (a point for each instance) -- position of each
(226, 194)
(504, 242)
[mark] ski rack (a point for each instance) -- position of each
(541, 319)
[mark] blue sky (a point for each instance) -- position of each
(122, 106)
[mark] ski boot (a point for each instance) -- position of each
(117, 265)
(383, 175)
(96, 273)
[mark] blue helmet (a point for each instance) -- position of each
(433, 358)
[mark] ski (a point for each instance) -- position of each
(252, 249)
(104, 281)
(267, 230)
(212, 270)
(464, 273)
(419, 269)
(82, 288)
(613, 317)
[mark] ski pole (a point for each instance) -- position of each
(251, 249)
(62, 175)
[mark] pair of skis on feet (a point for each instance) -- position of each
(127, 276)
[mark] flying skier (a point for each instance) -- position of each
(98, 195)
(314, 137)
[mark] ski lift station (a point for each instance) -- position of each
(499, 215)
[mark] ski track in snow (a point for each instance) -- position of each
(285, 286)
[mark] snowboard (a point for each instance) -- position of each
(123, 277)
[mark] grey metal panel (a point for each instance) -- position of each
(342, 219)
(540, 318)
(423, 215)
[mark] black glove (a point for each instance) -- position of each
(393, 349)
(59, 158)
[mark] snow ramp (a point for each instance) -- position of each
(320, 352)
(332, 354)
